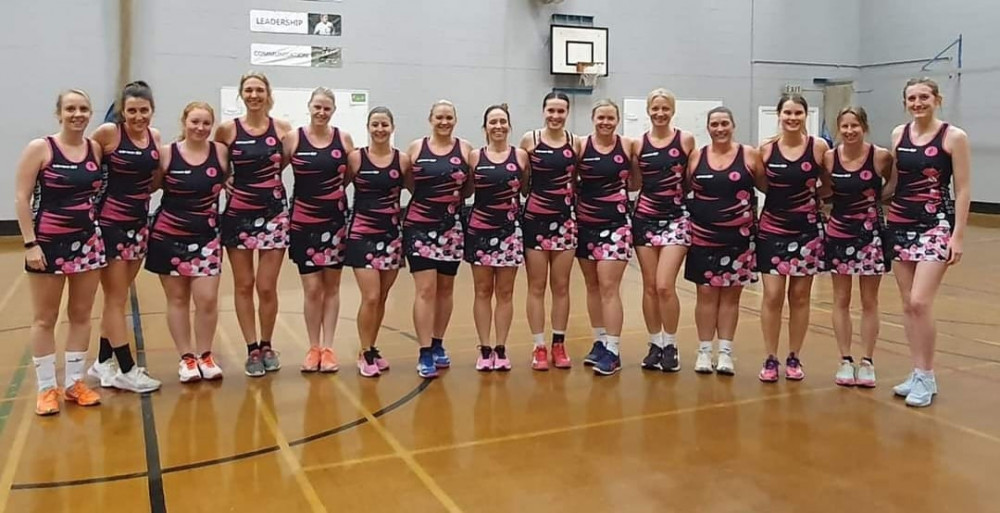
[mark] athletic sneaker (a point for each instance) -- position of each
(903, 389)
(254, 367)
(922, 392)
(769, 372)
(269, 357)
(540, 358)
(381, 363)
(866, 375)
(654, 358)
(559, 357)
(105, 372)
(311, 363)
(609, 363)
(845, 376)
(703, 364)
(793, 368)
(136, 380)
(328, 360)
(187, 369)
(441, 358)
(209, 369)
(595, 353)
(425, 365)
(47, 402)
(725, 365)
(485, 361)
(366, 363)
(81, 394)
(671, 361)
(500, 360)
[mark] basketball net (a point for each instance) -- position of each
(589, 71)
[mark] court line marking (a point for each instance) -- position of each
(14, 458)
(154, 472)
(20, 372)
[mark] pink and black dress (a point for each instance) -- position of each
(493, 235)
(184, 235)
(65, 213)
(374, 239)
(256, 215)
(124, 211)
(921, 215)
(722, 224)
(319, 205)
(660, 217)
(549, 220)
(790, 241)
(855, 230)
(605, 231)
(432, 227)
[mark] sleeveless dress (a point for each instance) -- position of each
(256, 216)
(65, 213)
(374, 240)
(493, 236)
(602, 204)
(660, 217)
(432, 226)
(318, 227)
(855, 231)
(549, 219)
(722, 225)
(124, 210)
(184, 235)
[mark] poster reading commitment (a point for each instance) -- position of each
(303, 56)
(286, 22)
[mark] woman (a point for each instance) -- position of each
(256, 217)
(131, 150)
(318, 154)
(605, 245)
(854, 236)
(432, 228)
(550, 228)
(926, 226)
(493, 244)
(660, 226)
(374, 242)
(184, 245)
(721, 259)
(58, 178)
(790, 246)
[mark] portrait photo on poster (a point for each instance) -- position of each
(326, 57)
(323, 24)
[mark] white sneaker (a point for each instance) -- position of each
(136, 380)
(922, 392)
(845, 376)
(866, 375)
(187, 370)
(209, 369)
(703, 364)
(725, 364)
(903, 389)
(105, 372)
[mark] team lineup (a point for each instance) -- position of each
(549, 200)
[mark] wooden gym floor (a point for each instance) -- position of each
(523, 441)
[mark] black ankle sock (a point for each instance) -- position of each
(437, 342)
(188, 355)
(501, 351)
(847, 358)
(485, 351)
(869, 360)
(206, 354)
(558, 338)
(105, 351)
(265, 344)
(253, 346)
(124, 356)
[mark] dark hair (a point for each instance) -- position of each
(137, 89)
(491, 108)
(935, 90)
(381, 110)
(858, 112)
(555, 95)
(720, 110)
(796, 98)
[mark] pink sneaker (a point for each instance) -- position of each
(559, 357)
(485, 361)
(500, 360)
(381, 363)
(366, 364)
(793, 368)
(769, 372)
(540, 358)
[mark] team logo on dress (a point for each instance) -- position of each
(511, 167)
(91, 166)
(931, 151)
(271, 141)
(674, 152)
(211, 172)
(393, 173)
(734, 176)
(455, 161)
(342, 169)
(807, 167)
(866, 175)
(619, 159)
(155, 154)
(568, 153)
(336, 154)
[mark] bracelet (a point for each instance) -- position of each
(31, 244)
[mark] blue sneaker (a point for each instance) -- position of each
(608, 364)
(425, 364)
(441, 358)
(922, 392)
(595, 353)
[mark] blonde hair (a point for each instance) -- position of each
(858, 112)
(63, 94)
(660, 92)
(935, 90)
(323, 91)
(267, 85)
(604, 102)
(440, 103)
(187, 111)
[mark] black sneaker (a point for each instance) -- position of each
(595, 353)
(653, 358)
(608, 364)
(671, 360)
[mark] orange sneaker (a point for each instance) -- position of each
(47, 402)
(328, 360)
(81, 394)
(312, 361)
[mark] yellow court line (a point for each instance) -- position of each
(315, 504)
(393, 442)
(14, 457)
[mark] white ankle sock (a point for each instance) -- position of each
(656, 339)
(725, 346)
(612, 343)
(45, 371)
(76, 362)
(600, 333)
(705, 346)
(669, 339)
(539, 339)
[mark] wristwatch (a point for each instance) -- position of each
(31, 244)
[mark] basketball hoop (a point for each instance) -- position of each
(589, 71)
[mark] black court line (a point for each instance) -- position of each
(154, 474)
